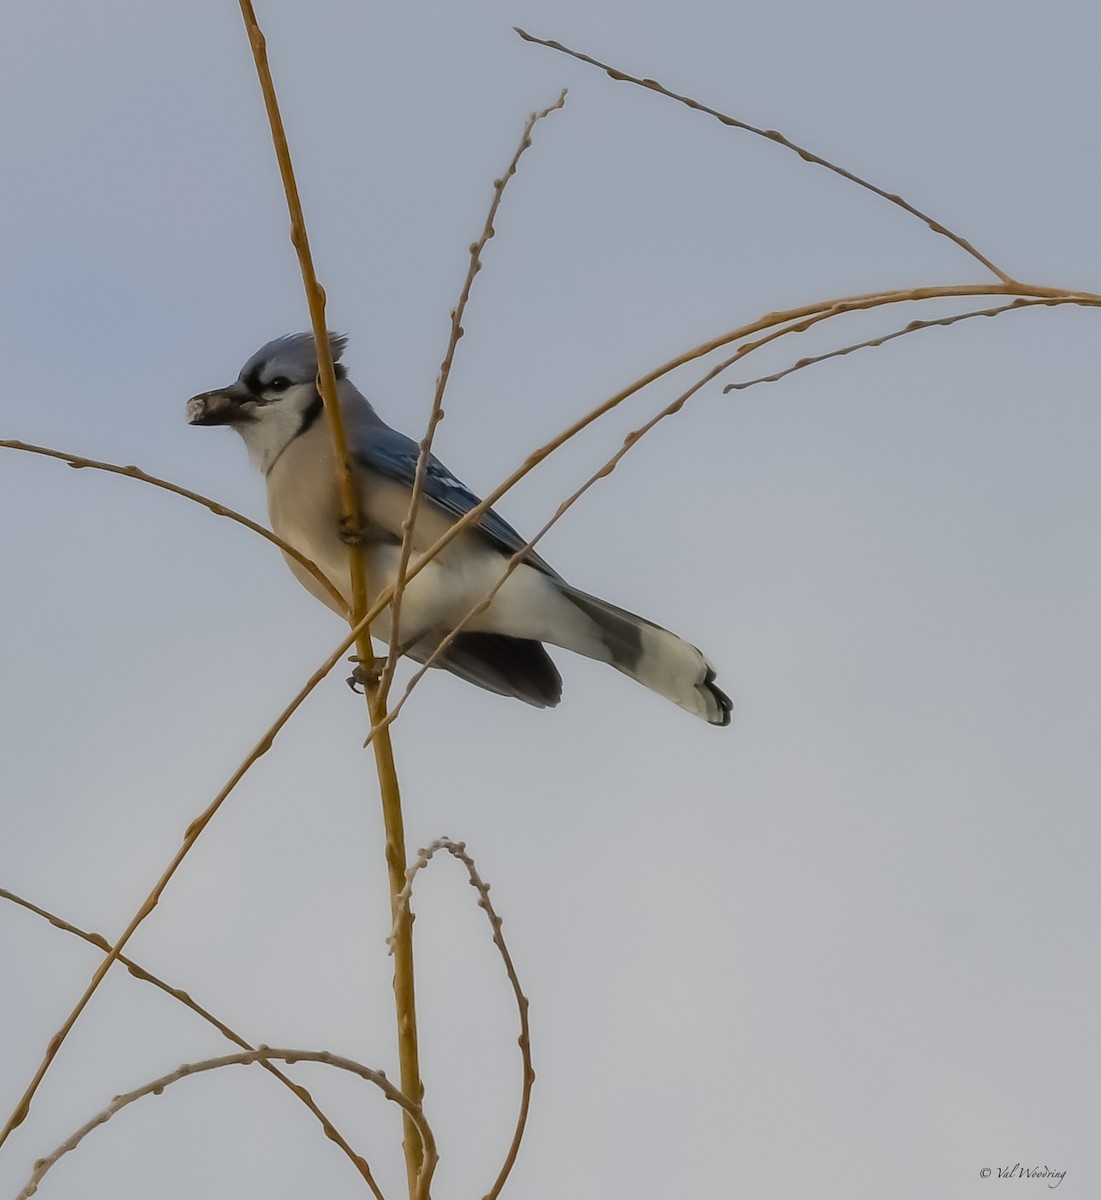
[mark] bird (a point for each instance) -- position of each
(276, 407)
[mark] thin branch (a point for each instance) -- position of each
(390, 794)
(436, 415)
(219, 510)
(517, 559)
(265, 1053)
(315, 296)
(796, 320)
(191, 836)
(769, 321)
(913, 327)
(773, 136)
(458, 850)
(184, 998)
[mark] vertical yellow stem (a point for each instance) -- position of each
(404, 997)
(404, 994)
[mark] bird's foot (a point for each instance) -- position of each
(363, 675)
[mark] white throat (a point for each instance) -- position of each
(268, 436)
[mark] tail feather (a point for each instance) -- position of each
(656, 658)
(509, 666)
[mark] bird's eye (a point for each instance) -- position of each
(279, 384)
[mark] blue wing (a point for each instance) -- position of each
(393, 455)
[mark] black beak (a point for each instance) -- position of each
(220, 407)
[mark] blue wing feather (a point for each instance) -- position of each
(394, 456)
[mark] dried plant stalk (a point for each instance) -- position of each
(219, 510)
(412, 1111)
(770, 322)
(458, 850)
(671, 409)
(772, 135)
(191, 836)
(184, 998)
(390, 793)
(436, 414)
(883, 339)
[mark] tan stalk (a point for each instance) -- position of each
(772, 135)
(191, 836)
(245, 1058)
(458, 850)
(770, 321)
(139, 972)
(219, 510)
(404, 997)
(794, 320)
(436, 415)
(634, 436)
(871, 343)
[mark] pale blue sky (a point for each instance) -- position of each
(846, 947)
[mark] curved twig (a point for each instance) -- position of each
(191, 836)
(458, 850)
(800, 326)
(245, 1058)
(219, 510)
(184, 998)
(770, 321)
(913, 327)
(773, 136)
(436, 414)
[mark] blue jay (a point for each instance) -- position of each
(276, 408)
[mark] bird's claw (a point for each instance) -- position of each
(362, 675)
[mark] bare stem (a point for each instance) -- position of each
(219, 510)
(191, 836)
(883, 339)
(436, 415)
(775, 322)
(773, 136)
(350, 500)
(458, 850)
(263, 1054)
(635, 435)
(139, 972)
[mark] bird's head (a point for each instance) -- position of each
(274, 399)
